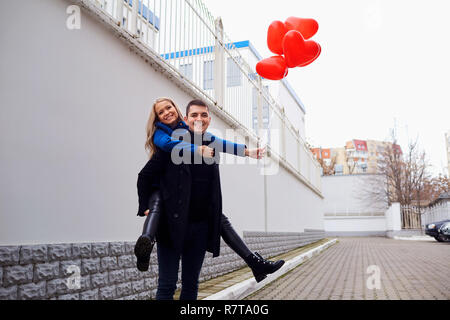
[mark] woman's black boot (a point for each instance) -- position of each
(261, 267)
(144, 245)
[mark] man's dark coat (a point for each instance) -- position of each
(174, 181)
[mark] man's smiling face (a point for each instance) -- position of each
(198, 119)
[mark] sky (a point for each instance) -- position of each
(383, 64)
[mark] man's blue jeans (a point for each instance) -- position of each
(192, 258)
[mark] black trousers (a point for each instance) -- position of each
(192, 257)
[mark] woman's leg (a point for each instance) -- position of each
(144, 245)
(232, 239)
(260, 267)
(168, 264)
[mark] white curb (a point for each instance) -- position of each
(243, 289)
(415, 238)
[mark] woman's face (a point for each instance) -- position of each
(166, 112)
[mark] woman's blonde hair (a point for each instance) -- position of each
(151, 128)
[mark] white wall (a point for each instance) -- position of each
(72, 132)
(348, 210)
(291, 204)
(293, 111)
(345, 194)
(393, 218)
(355, 224)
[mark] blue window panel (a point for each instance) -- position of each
(146, 13)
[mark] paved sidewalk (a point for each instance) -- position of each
(218, 284)
(408, 270)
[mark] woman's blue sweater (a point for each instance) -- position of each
(167, 139)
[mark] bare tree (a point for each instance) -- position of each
(401, 176)
(328, 169)
(434, 187)
(351, 164)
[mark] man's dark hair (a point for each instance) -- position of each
(195, 102)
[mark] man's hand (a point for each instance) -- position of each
(206, 151)
(256, 153)
(146, 212)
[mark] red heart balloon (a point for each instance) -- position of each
(273, 68)
(275, 35)
(312, 51)
(307, 27)
(293, 48)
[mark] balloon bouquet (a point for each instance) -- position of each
(289, 39)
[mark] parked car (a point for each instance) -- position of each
(439, 230)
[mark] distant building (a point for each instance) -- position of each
(375, 151)
(324, 154)
(358, 156)
(341, 167)
(356, 151)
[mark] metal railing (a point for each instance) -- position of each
(189, 40)
(438, 212)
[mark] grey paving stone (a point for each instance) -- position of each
(131, 274)
(81, 250)
(117, 248)
(153, 257)
(59, 251)
(89, 266)
(71, 296)
(89, 295)
(46, 271)
(124, 289)
(100, 249)
(8, 293)
(129, 247)
(17, 275)
(116, 276)
(107, 293)
(108, 263)
(150, 283)
(56, 286)
(131, 297)
(99, 280)
(145, 295)
(138, 286)
(86, 283)
(9, 255)
(126, 261)
(32, 291)
(33, 254)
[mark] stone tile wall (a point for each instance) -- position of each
(107, 270)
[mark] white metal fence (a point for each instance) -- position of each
(438, 212)
(186, 36)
